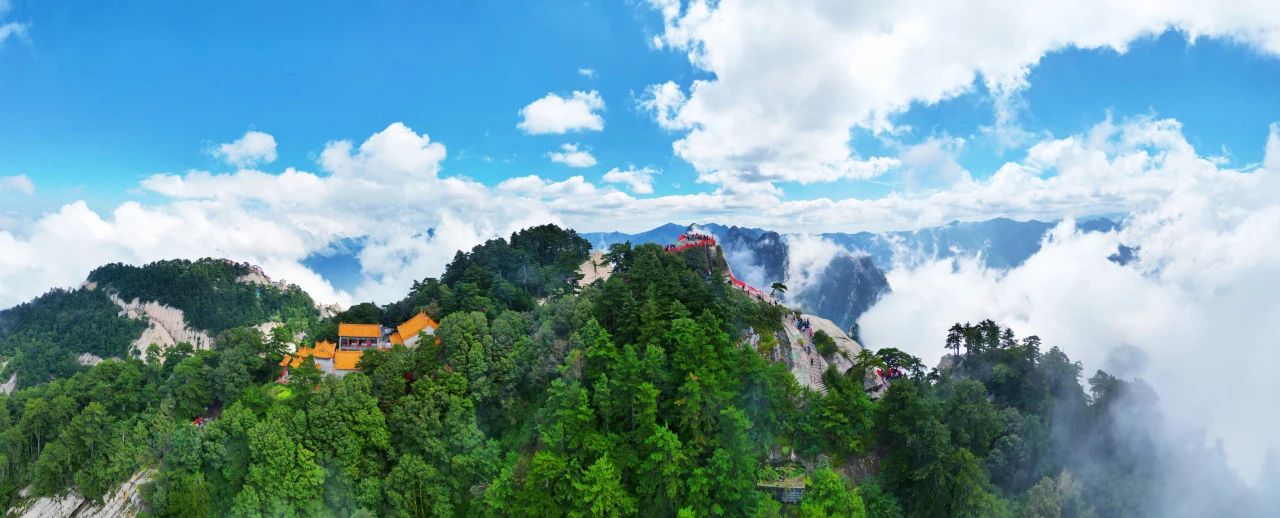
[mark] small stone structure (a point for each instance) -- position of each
(787, 491)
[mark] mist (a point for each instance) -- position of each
(1195, 317)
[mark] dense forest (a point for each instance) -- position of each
(536, 263)
(208, 291)
(636, 396)
(42, 338)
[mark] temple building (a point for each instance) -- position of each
(408, 332)
(341, 358)
(361, 337)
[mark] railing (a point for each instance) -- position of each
(689, 241)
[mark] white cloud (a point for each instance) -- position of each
(1005, 131)
(808, 258)
(790, 80)
(386, 190)
(663, 101)
(558, 115)
(933, 163)
(640, 181)
(572, 156)
(394, 154)
(1199, 302)
(1113, 168)
(589, 73)
(537, 187)
(20, 183)
(10, 29)
(254, 148)
(389, 190)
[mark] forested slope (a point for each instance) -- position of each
(634, 396)
(210, 292)
(42, 338)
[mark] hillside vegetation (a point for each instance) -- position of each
(208, 291)
(635, 396)
(41, 339)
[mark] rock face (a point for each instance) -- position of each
(88, 360)
(257, 276)
(803, 359)
(595, 268)
(8, 386)
(849, 286)
(168, 325)
(124, 501)
(754, 253)
(852, 283)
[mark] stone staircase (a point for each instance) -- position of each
(815, 377)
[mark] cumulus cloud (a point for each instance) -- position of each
(640, 181)
(385, 190)
(790, 80)
(572, 156)
(558, 115)
(20, 183)
(393, 154)
(389, 191)
(663, 102)
(252, 149)
(1114, 167)
(1199, 302)
(589, 73)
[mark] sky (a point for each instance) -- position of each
(282, 132)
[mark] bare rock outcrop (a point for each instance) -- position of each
(806, 363)
(595, 268)
(168, 325)
(7, 387)
(88, 360)
(124, 501)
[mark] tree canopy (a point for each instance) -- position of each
(639, 395)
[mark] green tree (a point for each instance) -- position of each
(416, 489)
(828, 494)
(349, 435)
(600, 492)
(824, 343)
(191, 385)
(465, 337)
(776, 288)
(283, 477)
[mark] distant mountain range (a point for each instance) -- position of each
(842, 288)
(853, 279)
(1002, 242)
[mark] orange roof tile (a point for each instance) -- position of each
(295, 359)
(416, 325)
(346, 360)
(396, 339)
(360, 330)
(324, 349)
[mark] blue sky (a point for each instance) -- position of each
(108, 93)
(101, 95)
(373, 123)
